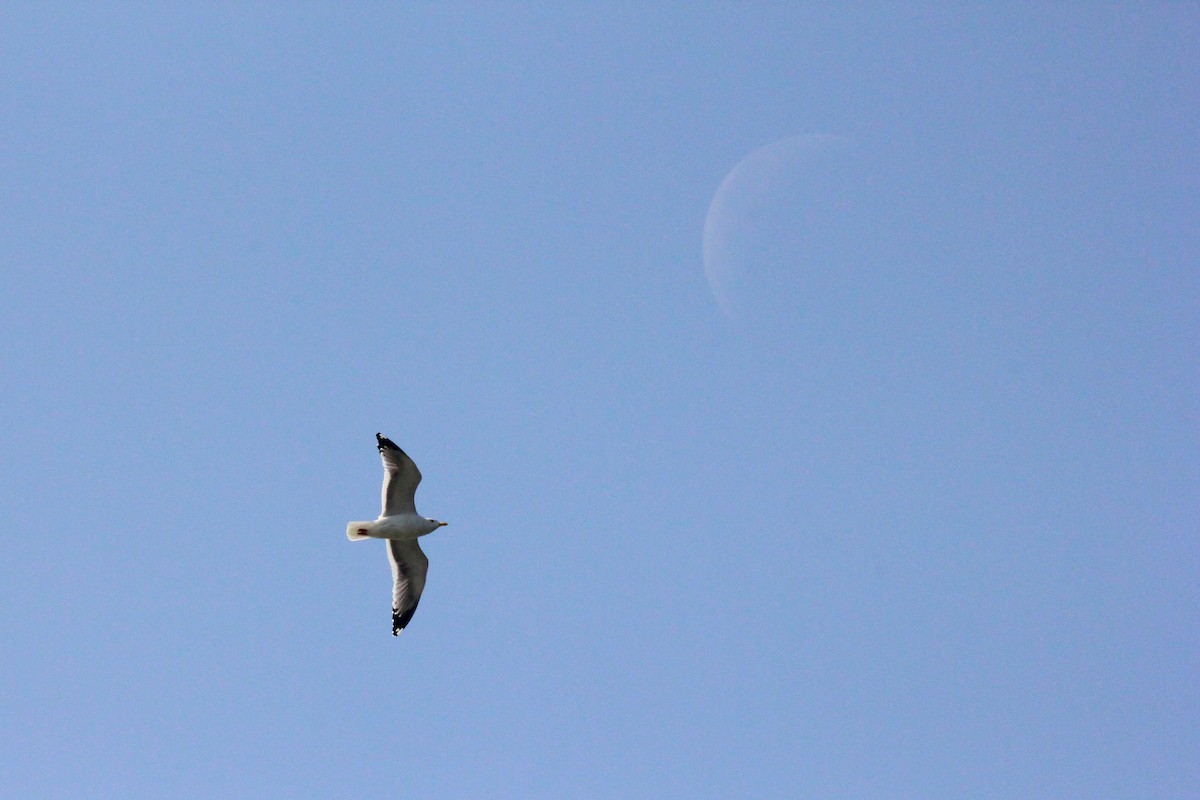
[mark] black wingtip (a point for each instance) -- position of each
(385, 443)
(400, 621)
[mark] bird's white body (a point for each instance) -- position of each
(397, 526)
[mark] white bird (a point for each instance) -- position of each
(400, 524)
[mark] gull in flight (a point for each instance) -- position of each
(400, 524)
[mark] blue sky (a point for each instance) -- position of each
(923, 523)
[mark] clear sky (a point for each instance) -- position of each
(920, 522)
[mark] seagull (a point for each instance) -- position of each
(400, 524)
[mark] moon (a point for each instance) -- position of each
(775, 227)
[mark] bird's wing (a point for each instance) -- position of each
(400, 478)
(409, 566)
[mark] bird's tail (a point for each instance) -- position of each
(354, 531)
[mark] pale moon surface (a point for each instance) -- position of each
(780, 228)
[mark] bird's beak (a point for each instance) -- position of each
(443, 524)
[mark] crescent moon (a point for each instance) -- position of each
(741, 200)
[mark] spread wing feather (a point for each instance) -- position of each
(409, 567)
(400, 478)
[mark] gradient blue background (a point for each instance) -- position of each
(934, 534)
